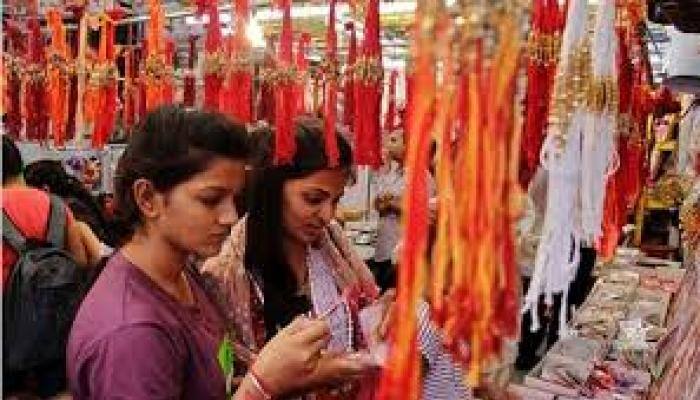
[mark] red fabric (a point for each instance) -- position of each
(190, 87)
(29, 209)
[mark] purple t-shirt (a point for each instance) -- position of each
(131, 340)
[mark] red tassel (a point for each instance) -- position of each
(35, 99)
(237, 91)
(302, 66)
(349, 87)
(266, 100)
(285, 102)
(331, 95)
(13, 111)
(390, 117)
(106, 111)
(189, 94)
(214, 63)
(168, 95)
(368, 93)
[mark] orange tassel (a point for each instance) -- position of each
(58, 81)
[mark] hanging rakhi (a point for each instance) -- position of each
(14, 68)
(130, 89)
(238, 88)
(285, 80)
(390, 116)
(330, 101)
(214, 58)
(168, 91)
(599, 158)
(349, 79)
(189, 91)
(558, 253)
(302, 65)
(104, 77)
(368, 92)
(143, 82)
(35, 96)
(265, 109)
(155, 67)
(543, 50)
(400, 379)
(58, 76)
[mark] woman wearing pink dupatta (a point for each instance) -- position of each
(288, 257)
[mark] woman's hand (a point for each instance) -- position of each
(293, 360)
(388, 300)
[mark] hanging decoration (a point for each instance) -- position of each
(331, 76)
(266, 97)
(390, 122)
(130, 89)
(348, 78)
(284, 79)
(368, 74)
(168, 90)
(104, 80)
(190, 88)
(472, 282)
(155, 59)
(13, 67)
(214, 58)
(144, 82)
(238, 89)
(58, 76)
(35, 99)
(302, 65)
(543, 50)
(599, 158)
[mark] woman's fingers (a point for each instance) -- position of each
(314, 331)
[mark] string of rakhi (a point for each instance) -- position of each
(285, 77)
(156, 74)
(471, 286)
(542, 55)
(58, 76)
(348, 78)
(190, 84)
(35, 98)
(390, 122)
(104, 80)
(302, 65)
(13, 67)
(238, 87)
(331, 78)
(214, 57)
(368, 78)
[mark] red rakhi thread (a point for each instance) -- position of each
(106, 106)
(214, 58)
(189, 91)
(390, 117)
(236, 96)
(58, 76)
(368, 92)
(348, 86)
(302, 65)
(35, 92)
(330, 103)
(13, 72)
(285, 102)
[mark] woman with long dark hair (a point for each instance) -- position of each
(50, 175)
(147, 329)
(289, 257)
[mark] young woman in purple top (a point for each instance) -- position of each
(147, 330)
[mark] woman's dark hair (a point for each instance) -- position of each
(264, 255)
(169, 147)
(52, 175)
(12, 164)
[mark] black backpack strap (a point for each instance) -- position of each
(12, 235)
(56, 231)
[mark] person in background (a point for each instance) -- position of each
(147, 329)
(390, 187)
(29, 210)
(51, 176)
